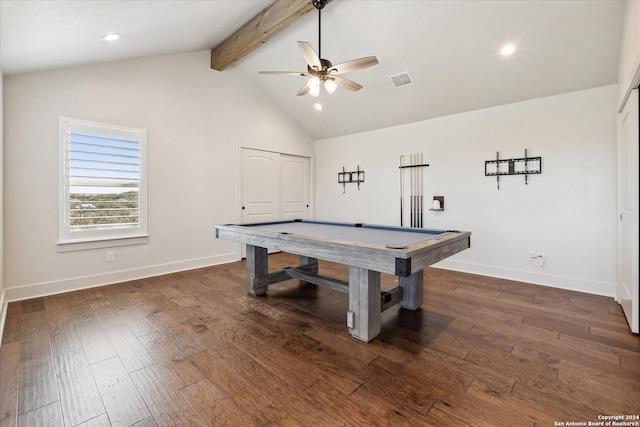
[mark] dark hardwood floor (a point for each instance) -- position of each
(193, 348)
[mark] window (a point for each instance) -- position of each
(102, 182)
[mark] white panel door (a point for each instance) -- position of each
(274, 187)
(628, 140)
(260, 186)
(295, 188)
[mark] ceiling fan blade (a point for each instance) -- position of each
(303, 90)
(346, 83)
(285, 73)
(310, 55)
(353, 65)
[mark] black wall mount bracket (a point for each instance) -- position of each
(521, 166)
(348, 177)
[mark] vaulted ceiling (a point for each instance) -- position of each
(450, 49)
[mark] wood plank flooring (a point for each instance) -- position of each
(193, 349)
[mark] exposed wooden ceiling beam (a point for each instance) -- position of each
(273, 19)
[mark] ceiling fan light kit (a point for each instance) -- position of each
(320, 70)
(314, 86)
(330, 85)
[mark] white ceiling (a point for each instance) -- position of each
(450, 49)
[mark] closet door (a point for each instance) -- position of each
(260, 186)
(628, 140)
(295, 187)
(275, 187)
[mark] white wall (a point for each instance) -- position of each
(197, 119)
(568, 212)
(3, 304)
(629, 66)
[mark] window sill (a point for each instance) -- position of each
(101, 243)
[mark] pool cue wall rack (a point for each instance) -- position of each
(522, 166)
(415, 169)
(350, 177)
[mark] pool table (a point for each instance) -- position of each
(368, 250)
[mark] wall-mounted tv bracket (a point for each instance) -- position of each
(523, 166)
(346, 177)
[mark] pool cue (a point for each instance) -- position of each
(419, 173)
(401, 187)
(413, 190)
(422, 181)
(415, 157)
(410, 191)
(419, 185)
(417, 224)
(419, 190)
(421, 193)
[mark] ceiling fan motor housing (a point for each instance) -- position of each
(322, 72)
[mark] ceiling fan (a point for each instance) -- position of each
(320, 70)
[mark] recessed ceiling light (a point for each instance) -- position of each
(508, 49)
(111, 37)
(318, 106)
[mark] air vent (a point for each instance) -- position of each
(402, 79)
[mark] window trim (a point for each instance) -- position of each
(78, 240)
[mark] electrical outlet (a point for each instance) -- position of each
(111, 256)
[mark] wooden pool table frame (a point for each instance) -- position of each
(365, 261)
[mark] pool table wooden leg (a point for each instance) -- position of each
(257, 266)
(310, 264)
(364, 303)
(412, 290)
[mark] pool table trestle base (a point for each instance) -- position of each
(366, 300)
(367, 260)
(308, 273)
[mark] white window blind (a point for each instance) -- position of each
(103, 181)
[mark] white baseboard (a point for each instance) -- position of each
(544, 279)
(78, 283)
